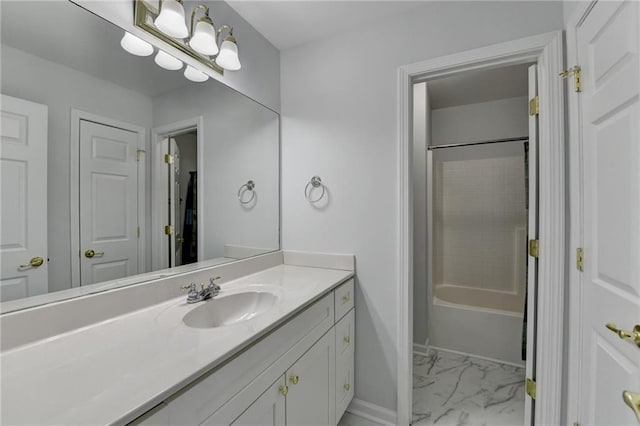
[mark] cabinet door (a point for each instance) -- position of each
(268, 410)
(311, 382)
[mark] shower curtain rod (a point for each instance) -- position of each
(454, 145)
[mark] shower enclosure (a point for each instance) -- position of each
(477, 199)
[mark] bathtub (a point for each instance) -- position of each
(478, 322)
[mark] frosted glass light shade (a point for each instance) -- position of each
(194, 75)
(135, 45)
(204, 39)
(228, 57)
(171, 19)
(168, 62)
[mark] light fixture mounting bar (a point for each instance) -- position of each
(144, 15)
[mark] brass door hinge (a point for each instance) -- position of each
(576, 424)
(576, 73)
(138, 232)
(168, 230)
(168, 158)
(531, 388)
(580, 259)
(139, 152)
(534, 106)
(534, 248)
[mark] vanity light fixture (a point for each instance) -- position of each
(194, 75)
(135, 45)
(168, 62)
(170, 20)
(201, 42)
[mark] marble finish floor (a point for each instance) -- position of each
(451, 389)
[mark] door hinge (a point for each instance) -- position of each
(576, 73)
(168, 158)
(534, 248)
(168, 230)
(580, 259)
(138, 153)
(534, 106)
(531, 388)
(576, 424)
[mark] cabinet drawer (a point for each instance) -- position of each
(344, 298)
(345, 333)
(344, 381)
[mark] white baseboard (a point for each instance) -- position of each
(486, 358)
(421, 349)
(372, 412)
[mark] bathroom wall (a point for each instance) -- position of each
(504, 118)
(421, 139)
(29, 77)
(339, 99)
(232, 154)
(259, 77)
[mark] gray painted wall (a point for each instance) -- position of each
(339, 122)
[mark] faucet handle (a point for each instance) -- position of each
(212, 283)
(191, 287)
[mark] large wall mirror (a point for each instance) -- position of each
(116, 171)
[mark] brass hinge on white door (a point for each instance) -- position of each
(534, 106)
(168, 230)
(139, 152)
(138, 232)
(534, 248)
(531, 388)
(576, 73)
(580, 259)
(168, 159)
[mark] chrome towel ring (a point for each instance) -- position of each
(249, 186)
(315, 182)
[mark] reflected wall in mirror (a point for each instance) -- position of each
(113, 167)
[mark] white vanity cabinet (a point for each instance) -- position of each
(299, 374)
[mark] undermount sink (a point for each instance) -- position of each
(230, 309)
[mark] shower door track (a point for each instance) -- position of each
(455, 145)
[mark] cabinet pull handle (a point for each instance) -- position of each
(294, 379)
(347, 339)
(346, 298)
(347, 387)
(284, 390)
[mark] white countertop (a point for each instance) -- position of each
(116, 370)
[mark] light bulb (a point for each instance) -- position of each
(194, 75)
(168, 62)
(228, 56)
(171, 19)
(135, 45)
(204, 38)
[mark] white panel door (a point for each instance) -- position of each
(108, 203)
(608, 53)
(311, 381)
(267, 410)
(23, 192)
(532, 233)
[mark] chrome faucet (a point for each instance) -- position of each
(205, 293)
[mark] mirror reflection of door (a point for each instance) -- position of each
(108, 202)
(23, 191)
(182, 241)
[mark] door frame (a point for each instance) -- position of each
(576, 195)
(157, 202)
(74, 200)
(547, 50)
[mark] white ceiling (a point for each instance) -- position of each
(479, 86)
(287, 24)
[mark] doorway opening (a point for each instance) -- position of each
(475, 208)
(546, 370)
(177, 208)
